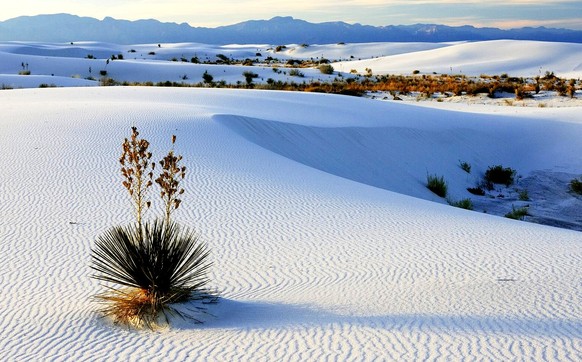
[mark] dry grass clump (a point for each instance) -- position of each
(149, 266)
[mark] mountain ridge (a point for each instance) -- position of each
(277, 30)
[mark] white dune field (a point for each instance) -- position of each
(66, 64)
(310, 265)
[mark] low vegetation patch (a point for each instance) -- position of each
(476, 191)
(296, 73)
(465, 166)
(576, 186)
(500, 175)
(437, 184)
(463, 203)
(326, 69)
(517, 214)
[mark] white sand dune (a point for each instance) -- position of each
(311, 265)
(67, 65)
(517, 58)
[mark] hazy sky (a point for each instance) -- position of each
(497, 13)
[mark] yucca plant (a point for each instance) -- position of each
(150, 265)
(151, 270)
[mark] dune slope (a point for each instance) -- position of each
(310, 265)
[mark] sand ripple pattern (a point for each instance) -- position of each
(311, 266)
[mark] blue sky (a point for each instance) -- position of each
(496, 13)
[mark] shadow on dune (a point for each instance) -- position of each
(238, 315)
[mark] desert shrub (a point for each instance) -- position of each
(523, 195)
(150, 265)
(222, 59)
(108, 82)
(249, 76)
(280, 47)
(576, 186)
(46, 85)
(207, 77)
(296, 73)
(463, 203)
(437, 185)
(476, 191)
(326, 69)
(103, 73)
(500, 175)
(520, 93)
(517, 214)
(24, 72)
(465, 166)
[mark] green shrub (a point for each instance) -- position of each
(523, 195)
(463, 204)
(576, 186)
(249, 76)
(500, 175)
(437, 185)
(465, 166)
(326, 69)
(517, 214)
(296, 73)
(207, 77)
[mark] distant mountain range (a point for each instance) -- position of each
(278, 30)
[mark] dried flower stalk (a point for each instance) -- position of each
(137, 171)
(169, 180)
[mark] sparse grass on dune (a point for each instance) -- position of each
(437, 184)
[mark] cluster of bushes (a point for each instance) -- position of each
(395, 84)
(463, 85)
(494, 175)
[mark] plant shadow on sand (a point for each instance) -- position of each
(232, 315)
